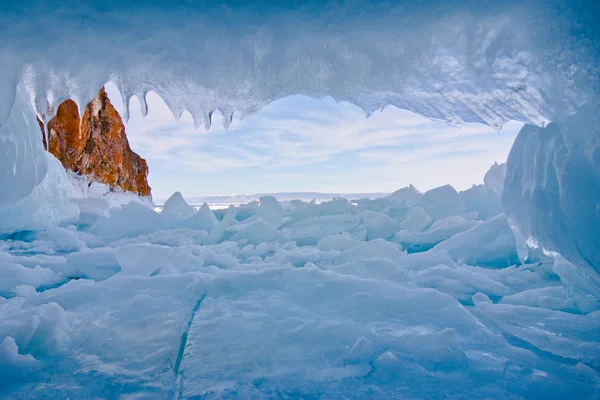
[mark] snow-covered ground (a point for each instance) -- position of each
(409, 295)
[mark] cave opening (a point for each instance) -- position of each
(418, 292)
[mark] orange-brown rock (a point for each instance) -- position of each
(96, 145)
(65, 138)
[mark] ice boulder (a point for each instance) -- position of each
(377, 249)
(582, 290)
(96, 264)
(442, 202)
(183, 260)
(408, 194)
(309, 231)
(14, 274)
(380, 204)
(447, 222)
(479, 199)
(132, 220)
(47, 203)
(257, 232)
(380, 226)
(271, 210)
(416, 220)
(461, 283)
(423, 241)
(494, 179)
(246, 211)
(551, 298)
(338, 242)
(579, 337)
(176, 208)
(335, 207)
(295, 205)
(296, 256)
(217, 233)
(13, 363)
(51, 240)
(491, 243)
(203, 220)
(91, 209)
(142, 259)
(43, 331)
(485, 199)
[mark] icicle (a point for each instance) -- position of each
(207, 120)
(42, 106)
(177, 114)
(84, 95)
(197, 119)
(80, 105)
(143, 103)
(176, 108)
(125, 115)
(227, 117)
(51, 106)
(125, 96)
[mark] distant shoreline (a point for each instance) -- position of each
(236, 200)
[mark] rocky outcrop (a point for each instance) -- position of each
(96, 145)
(65, 138)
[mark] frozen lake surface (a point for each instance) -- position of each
(406, 296)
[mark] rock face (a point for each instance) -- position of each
(96, 145)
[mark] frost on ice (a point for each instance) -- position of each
(375, 300)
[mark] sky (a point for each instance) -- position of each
(300, 144)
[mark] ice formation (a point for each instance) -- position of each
(176, 208)
(534, 61)
(305, 299)
(292, 299)
(552, 188)
(464, 62)
(23, 163)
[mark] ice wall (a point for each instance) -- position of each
(552, 188)
(23, 163)
(33, 183)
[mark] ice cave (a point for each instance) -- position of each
(493, 292)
